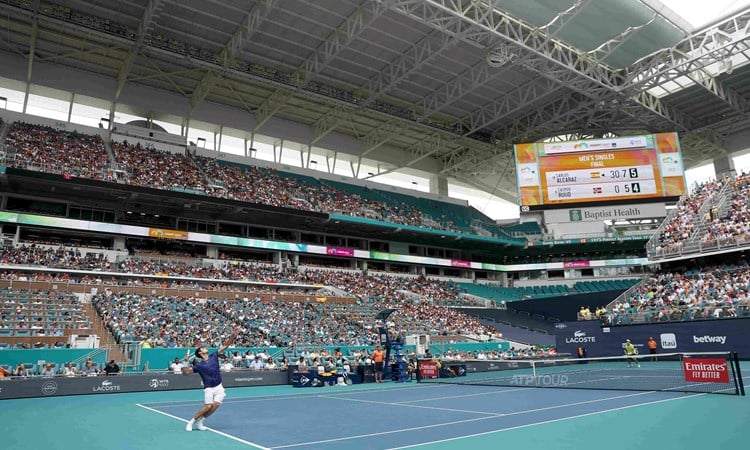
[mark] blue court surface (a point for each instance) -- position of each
(385, 416)
(402, 417)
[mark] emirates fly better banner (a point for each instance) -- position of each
(706, 370)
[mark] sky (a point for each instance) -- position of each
(702, 12)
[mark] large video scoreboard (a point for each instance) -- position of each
(599, 170)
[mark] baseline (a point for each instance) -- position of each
(221, 433)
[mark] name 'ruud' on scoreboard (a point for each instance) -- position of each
(623, 169)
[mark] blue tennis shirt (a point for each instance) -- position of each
(209, 370)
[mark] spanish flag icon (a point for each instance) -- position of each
(596, 174)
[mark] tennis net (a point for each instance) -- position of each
(716, 373)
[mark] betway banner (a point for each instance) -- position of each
(725, 335)
(602, 213)
(49, 387)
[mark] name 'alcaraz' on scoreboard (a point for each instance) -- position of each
(599, 170)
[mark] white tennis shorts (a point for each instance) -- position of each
(214, 394)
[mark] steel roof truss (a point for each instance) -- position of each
(695, 52)
(241, 36)
(150, 15)
(340, 38)
(408, 63)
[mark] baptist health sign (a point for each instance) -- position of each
(602, 213)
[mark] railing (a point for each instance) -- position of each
(624, 295)
(653, 242)
(705, 215)
(684, 313)
(653, 246)
(700, 246)
(692, 244)
(11, 160)
(165, 259)
(92, 354)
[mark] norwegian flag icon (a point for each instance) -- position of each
(597, 190)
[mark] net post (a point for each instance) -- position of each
(533, 373)
(738, 373)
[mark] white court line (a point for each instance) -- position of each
(459, 421)
(411, 406)
(300, 396)
(525, 411)
(543, 422)
(234, 438)
(384, 432)
(462, 396)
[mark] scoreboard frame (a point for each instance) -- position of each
(622, 170)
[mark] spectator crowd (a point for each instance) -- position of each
(714, 292)
(42, 148)
(47, 149)
(733, 226)
(715, 214)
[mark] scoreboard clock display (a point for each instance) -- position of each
(602, 170)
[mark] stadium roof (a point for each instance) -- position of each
(445, 86)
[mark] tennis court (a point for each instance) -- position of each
(408, 415)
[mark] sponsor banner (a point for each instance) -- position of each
(161, 233)
(668, 341)
(49, 387)
(340, 251)
(602, 213)
(597, 144)
(576, 264)
(671, 164)
(428, 369)
(528, 175)
(460, 263)
(579, 337)
(640, 261)
(710, 370)
(723, 335)
(481, 365)
(559, 265)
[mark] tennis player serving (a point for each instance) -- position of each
(213, 393)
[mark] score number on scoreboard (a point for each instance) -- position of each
(610, 182)
(600, 176)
